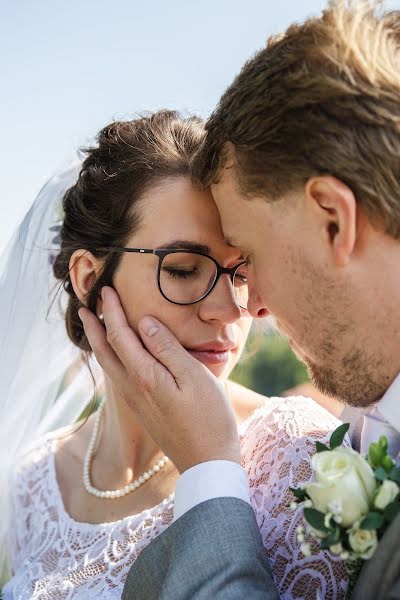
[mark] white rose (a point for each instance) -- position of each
(363, 542)
(387, 493)
(342, 475)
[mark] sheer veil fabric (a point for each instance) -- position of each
(44, 382)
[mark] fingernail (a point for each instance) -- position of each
(148, 326)
(80, 314)
(102, 293)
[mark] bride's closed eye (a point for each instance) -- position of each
(182, 273)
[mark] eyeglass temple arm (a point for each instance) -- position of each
(137, 250)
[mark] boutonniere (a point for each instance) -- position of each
(351, 501)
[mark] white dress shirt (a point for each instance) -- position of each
(384, 419)
(208, 480)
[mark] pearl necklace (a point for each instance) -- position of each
(130, 487)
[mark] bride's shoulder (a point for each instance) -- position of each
(292, 417)
(36, 456)
(244, 401)
(31, 464)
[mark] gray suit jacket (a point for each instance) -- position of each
(380, 576)
(213, 551)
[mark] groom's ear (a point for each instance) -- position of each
(335, 207)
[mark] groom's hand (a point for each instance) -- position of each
(181, 403)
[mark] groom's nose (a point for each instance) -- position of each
(255, 306)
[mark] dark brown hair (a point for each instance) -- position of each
(323, 98)
(103, 208)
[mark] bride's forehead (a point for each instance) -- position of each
(188, 214)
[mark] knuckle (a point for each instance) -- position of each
(113, 337)
(163, 346)
(145, 382)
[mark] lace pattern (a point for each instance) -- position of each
(54, 557)
(277, 449)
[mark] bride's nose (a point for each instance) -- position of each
(221, 304)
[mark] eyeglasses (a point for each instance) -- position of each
(186, 276)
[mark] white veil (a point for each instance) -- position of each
(44, 384)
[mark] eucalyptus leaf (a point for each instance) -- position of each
(391, 510)
(380, 474)
(394, 475)
(373, 520)
(337, 436)
(331, 539)
(316, 519)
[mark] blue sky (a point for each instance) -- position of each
(69, 67)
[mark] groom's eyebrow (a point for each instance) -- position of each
(185, 245)
(230, 242)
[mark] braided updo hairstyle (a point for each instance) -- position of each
(102, 208)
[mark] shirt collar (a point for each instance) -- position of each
(389, 405)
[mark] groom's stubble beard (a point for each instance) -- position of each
(354, 376)
(354, 381)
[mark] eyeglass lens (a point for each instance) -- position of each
(186, 278)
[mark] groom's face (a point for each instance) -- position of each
(293, 275)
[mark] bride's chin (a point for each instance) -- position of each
(219, 370)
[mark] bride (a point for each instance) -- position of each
(86, 498)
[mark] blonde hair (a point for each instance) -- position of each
(322, 98)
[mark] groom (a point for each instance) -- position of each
(303, 158)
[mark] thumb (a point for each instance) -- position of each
(164, 346)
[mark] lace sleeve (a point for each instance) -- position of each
(24, 488)
(16, 540)
(277, 449)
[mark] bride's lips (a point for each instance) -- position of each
(212, 353)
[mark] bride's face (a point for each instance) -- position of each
(174, 214)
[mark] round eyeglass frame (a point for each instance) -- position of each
(163, 252)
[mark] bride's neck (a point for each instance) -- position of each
(123, 443)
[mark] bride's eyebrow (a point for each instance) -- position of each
(185, 245)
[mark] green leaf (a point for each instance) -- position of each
(394, 475)
(373, 520)
(337, 436)
(315, 518)
(383, 443)
(391, 510)
(380, 474)
(331, 539)
(299, 494)
(387, 463)
(321, 447)
(375, 454)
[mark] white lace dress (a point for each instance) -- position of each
(54, 557)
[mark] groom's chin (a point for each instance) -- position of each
(344, 388)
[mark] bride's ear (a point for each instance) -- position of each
(336, 208)
(83, 270)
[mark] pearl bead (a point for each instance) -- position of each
(130, 487)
